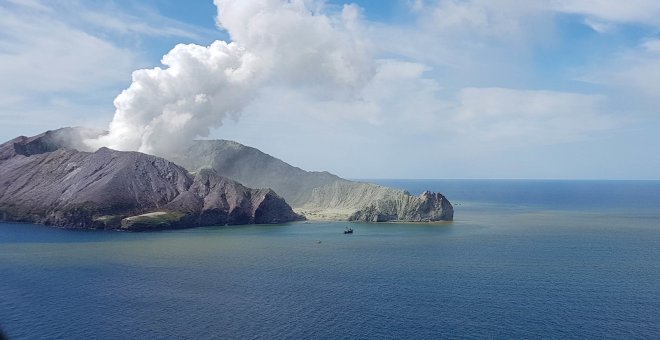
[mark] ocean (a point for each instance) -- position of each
(523, 259)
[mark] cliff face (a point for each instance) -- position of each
(426, 207)
(216, 200)
(349, 195)
(340, 199)
(43, 183)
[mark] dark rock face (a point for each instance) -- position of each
(69, 188)
(426, 207)
(213, 199)
(43, 183)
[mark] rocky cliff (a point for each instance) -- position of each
(340, 199)
(43, 182)
(213, 199)
(426, 207)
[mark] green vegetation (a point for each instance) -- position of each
(107, 221)
(154, 220)
(105, 218)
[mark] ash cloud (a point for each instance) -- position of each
(274, 43)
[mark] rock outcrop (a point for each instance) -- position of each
(42, 182)
(426, 207)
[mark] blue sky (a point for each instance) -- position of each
(376, 89)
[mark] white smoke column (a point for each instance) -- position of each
(274, 43)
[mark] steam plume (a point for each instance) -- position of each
(273, 43)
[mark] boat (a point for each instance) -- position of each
(348, 230)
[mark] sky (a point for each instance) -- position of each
(538, 89)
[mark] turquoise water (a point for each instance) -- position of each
(523, 259)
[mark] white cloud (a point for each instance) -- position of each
(504, 19)
(630, 11)
(470, 42)
(128, 24)
(652, 45)
(510, 19)
(638, 72)
(32, 4)
(398, 95)
(507, 117)
(141, 21)
(633, 74)
(43, 58)
(598, 26)
(40, 53)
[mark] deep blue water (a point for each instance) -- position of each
(523, 259)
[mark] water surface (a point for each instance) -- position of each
(523, 259)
